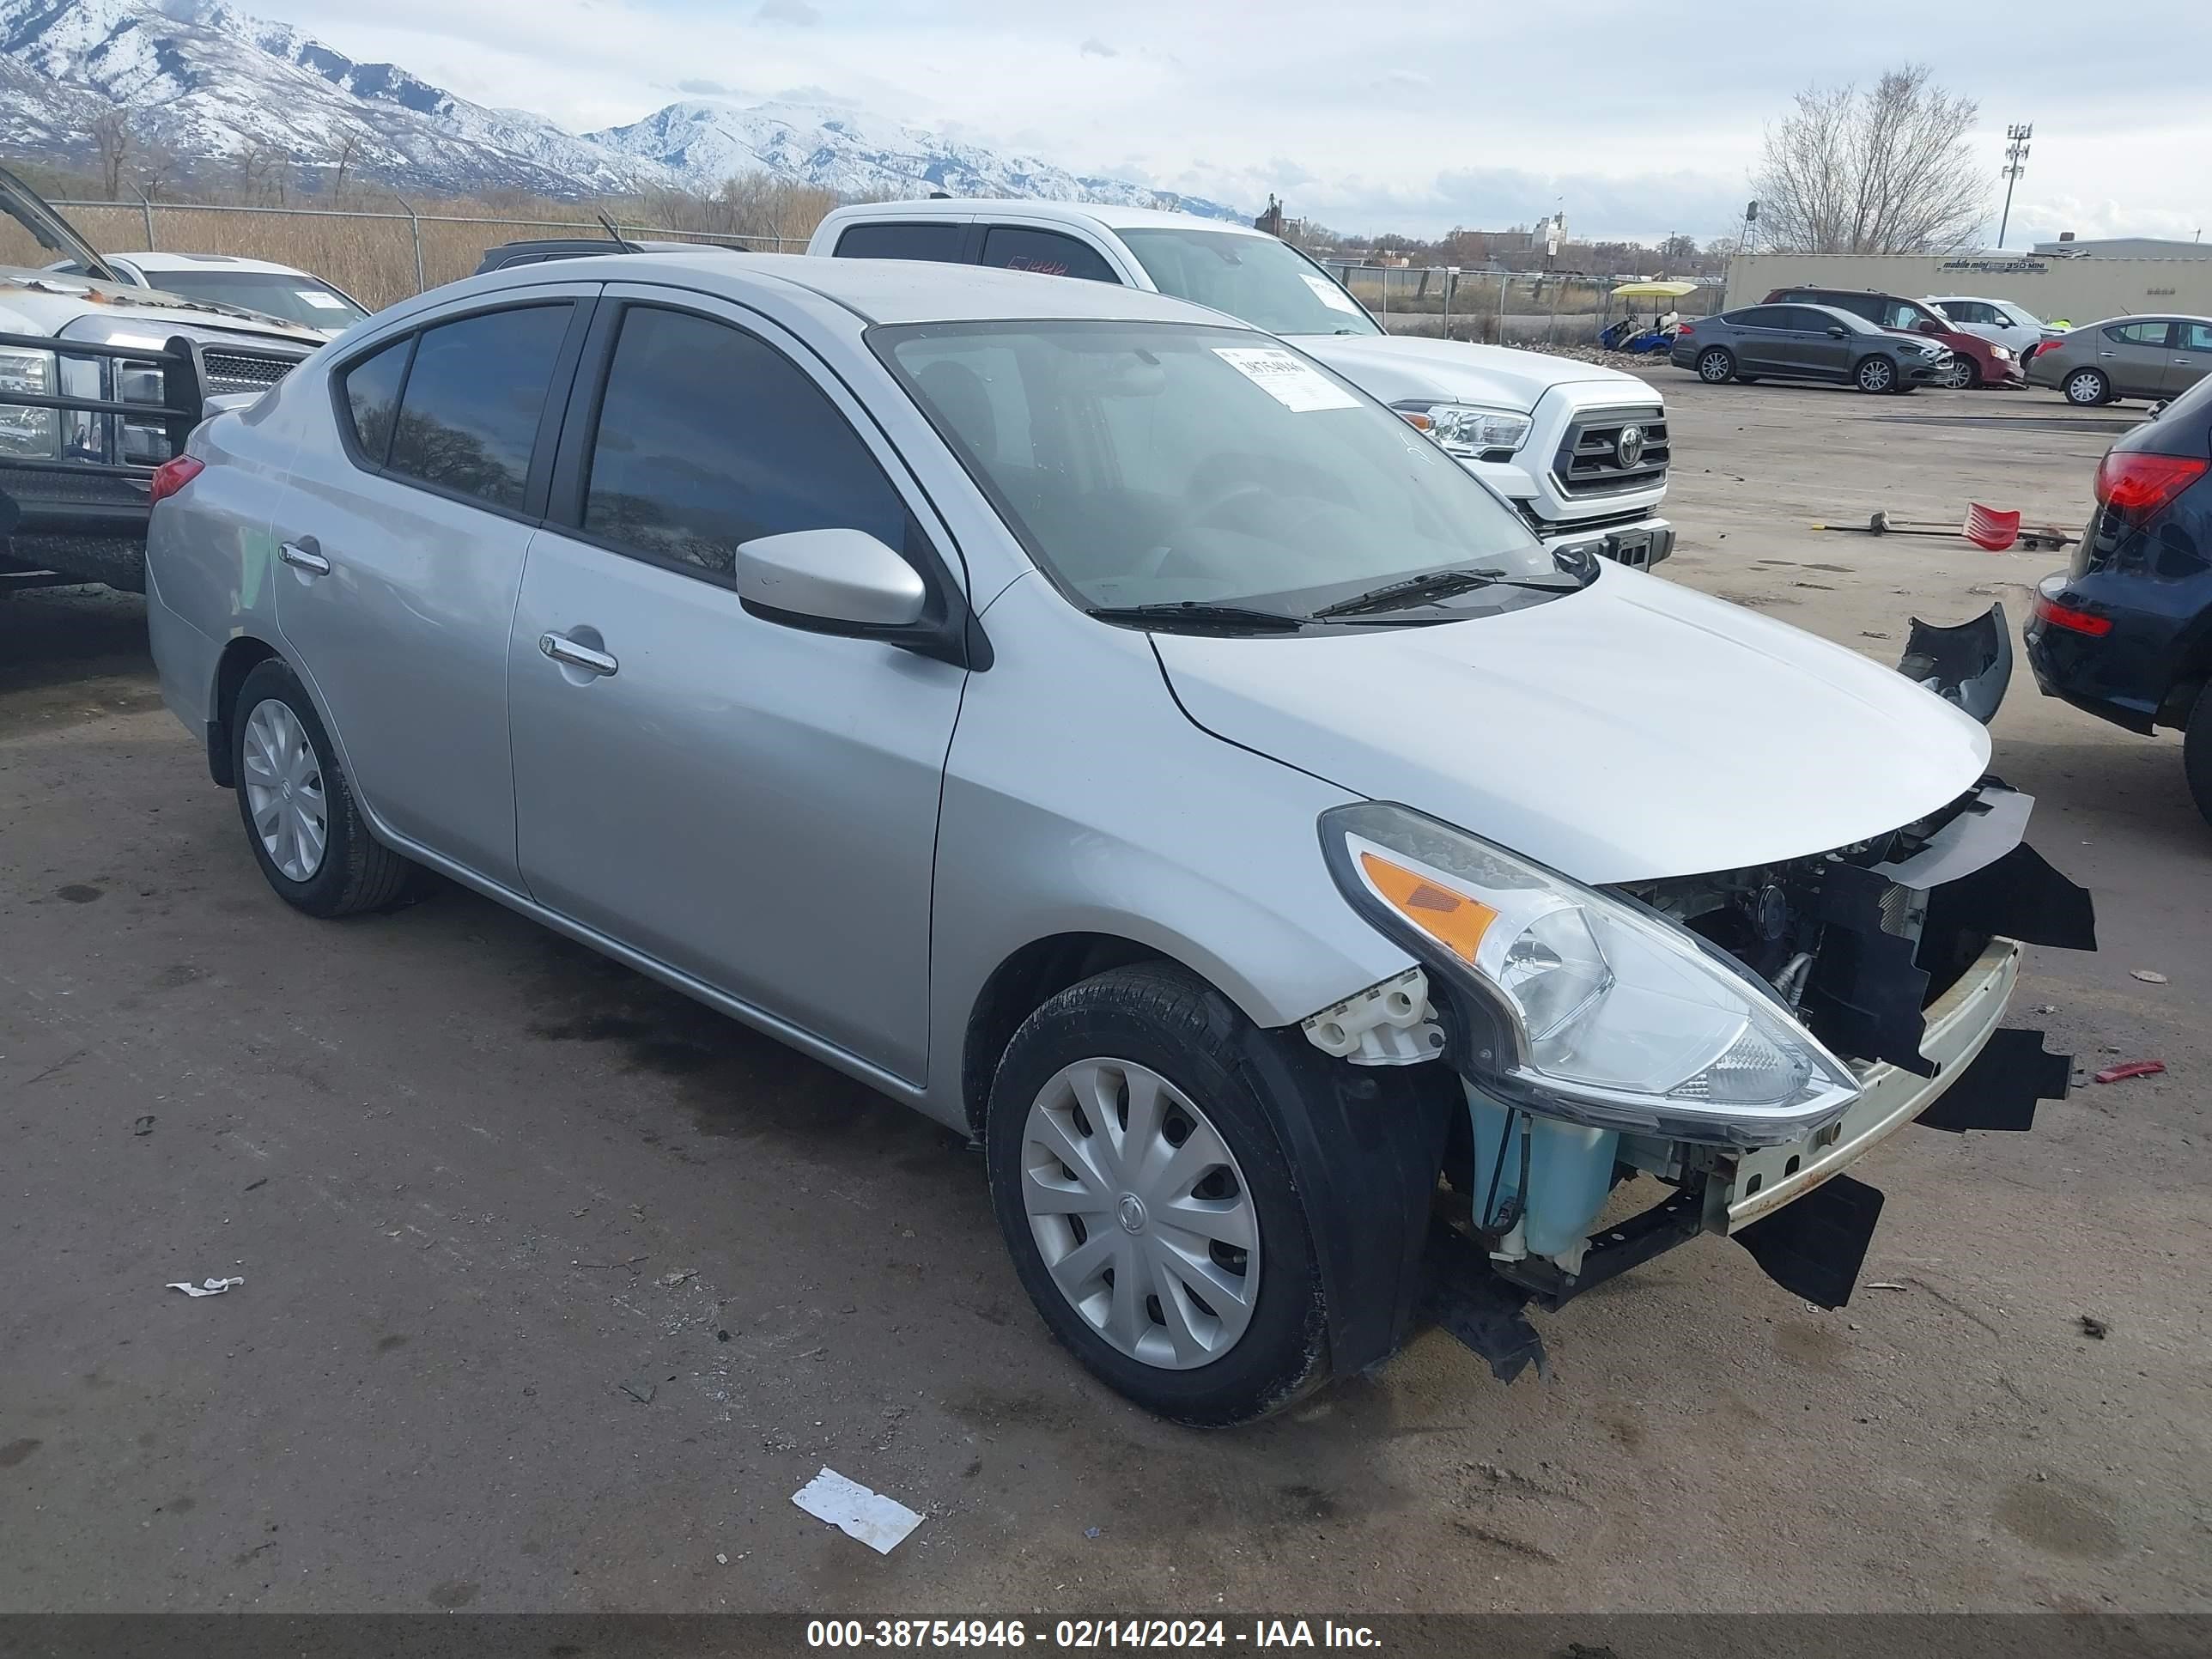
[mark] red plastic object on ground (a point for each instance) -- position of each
(1987, 528)
(2132, 1068)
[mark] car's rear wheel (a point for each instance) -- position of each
(2197, 752)
(2085, 388)
(1875, 374)
(1961, 373)
(1140, 1183)
(301, 821)
(1715, 365)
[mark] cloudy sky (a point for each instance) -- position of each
(1413, 117)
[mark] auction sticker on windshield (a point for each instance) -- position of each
(1291, 382)
(320, 300)
(1330, 294)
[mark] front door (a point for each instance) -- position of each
(1813, 348)
(402, 558)
(2190, 357)
(751, 804)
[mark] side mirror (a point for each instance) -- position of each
(1931, 326)
(1838, 331)
(830, 581)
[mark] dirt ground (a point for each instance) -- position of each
(556, 1287)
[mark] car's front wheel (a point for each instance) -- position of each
(2085, 388)
(1715, 365)
(1959, 374)
(1140, 1182)
(1876, 375)
(301, 821)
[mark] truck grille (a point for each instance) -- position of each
(1607, 451)
(229, 370)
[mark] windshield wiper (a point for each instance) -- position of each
(1198, 612)
(1436, 584)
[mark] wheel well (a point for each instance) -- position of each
(239, 658)
(1018, 987)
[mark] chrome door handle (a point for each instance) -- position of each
(304, 557)
(560, 648)
(2108, 354)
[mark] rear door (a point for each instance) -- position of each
(1760, 344)
(2135, 356)
(751, 805)
(403, 547)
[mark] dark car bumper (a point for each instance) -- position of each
(1919, 374)
(2123, 675)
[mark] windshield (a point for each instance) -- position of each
(1153, 464)
(272, 292)
(1255, 279)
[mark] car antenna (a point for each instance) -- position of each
(621, 244)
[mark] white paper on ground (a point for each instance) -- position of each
(210, 1287)
(1330, 294)
(880, 1522)
(1291, 381)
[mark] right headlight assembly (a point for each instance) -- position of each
(1589, 1007)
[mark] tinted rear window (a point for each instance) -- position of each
(372, 393)
(940, 243)
(470, 414)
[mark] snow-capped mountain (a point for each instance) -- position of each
(207, 82)
(857, 154)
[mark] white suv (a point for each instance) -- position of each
(2005, 322)
(1580, 450)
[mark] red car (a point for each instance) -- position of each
(1974, 361)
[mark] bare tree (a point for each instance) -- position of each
(348, 152)
(1885, 171)
(112, 138)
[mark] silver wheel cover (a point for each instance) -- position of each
(283, 784)
(1140, 1213)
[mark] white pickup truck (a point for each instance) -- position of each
(1580, 450)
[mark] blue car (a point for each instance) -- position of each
(2125, 632)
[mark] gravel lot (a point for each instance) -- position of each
(558, 1286)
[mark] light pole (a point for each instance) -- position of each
(2016, 139)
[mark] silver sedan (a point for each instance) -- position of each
(1102, 728)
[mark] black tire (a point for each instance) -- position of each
(1160, 1017)
(1717, 365)
(1956, 380)
(2085, 388)
(356, 872)
(2197, 752)
(1876, 375)
(1746, 380)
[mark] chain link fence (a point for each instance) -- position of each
(378, 255)
(1502, 307)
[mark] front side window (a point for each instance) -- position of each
(1018, 247)
(2195, 336)
(1161, 464)
(1255, 279)
(940, 243)
(469, 417)
(708, 437)
(372, 397)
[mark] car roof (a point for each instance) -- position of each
(166, 260)
(874, 290)
(1068, 213)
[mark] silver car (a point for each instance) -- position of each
(2151, 357)
(1105, 729)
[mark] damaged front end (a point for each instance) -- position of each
(1865, 986)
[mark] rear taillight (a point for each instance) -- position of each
(173, 475)
(2078, 621)
(1685, 329)
(2132, 481)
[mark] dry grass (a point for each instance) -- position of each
(373, 259)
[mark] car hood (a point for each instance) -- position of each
(1399, 367)
(45, 302)
(1632, 730)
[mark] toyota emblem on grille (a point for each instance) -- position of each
(1628, 448)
